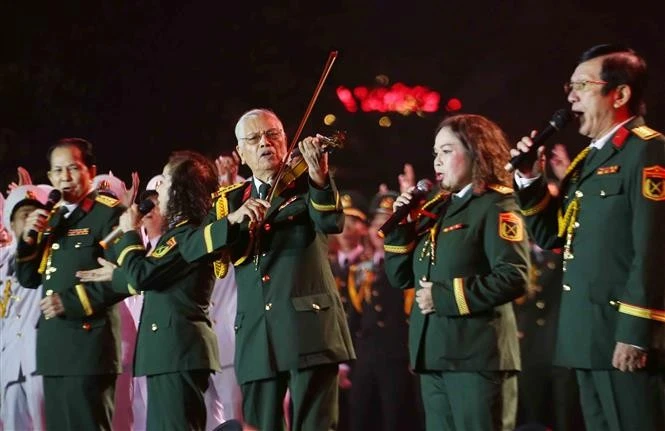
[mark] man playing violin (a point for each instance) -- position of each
(290, 327)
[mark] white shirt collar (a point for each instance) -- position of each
(464, 190)
(600, 143)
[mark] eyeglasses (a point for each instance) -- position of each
(270, 134)
(71, 169)
(580, 85)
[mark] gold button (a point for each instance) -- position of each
(576, 225)
(316, 307)
(268, 306)
(86, 326)
(578, 193)
(540, 304)
(380, 324)
(540, 322)
(55, 246)
(265, 278)
(613, 303)
(154, 327)
(378, 308)
(566, 287)
(602, 193)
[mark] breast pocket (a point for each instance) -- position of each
(315, 318)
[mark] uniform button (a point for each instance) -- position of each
(265, 278)
(540, 304)
(576, 225)
(268, 306)
(154, 327)
(77, 245)
(19, 334)
(613, 303)
(551, 265)
(578, 193)
(540, 322)
(86, 326)
(316, 307)
(55, 246)
(380, 324)
(566, 288)
(423, 278)
(18, 315)
(602, 193)
(378, 308)
(49, 292)
(267, 227)
(375, 292)
(264, 254)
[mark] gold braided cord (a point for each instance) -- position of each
(6, 296)
(567, 220)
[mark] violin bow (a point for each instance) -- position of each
(324, 75)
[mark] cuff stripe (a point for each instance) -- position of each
(539, 207)
(123, 254)
(643, 312)
(85, 301)
(399, 249)
(207, 237)
(460, 297)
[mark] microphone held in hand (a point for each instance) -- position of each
(422, 188)
(53, 198)
(559, 120)
(145, 207)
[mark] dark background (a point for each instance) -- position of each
(140, 79)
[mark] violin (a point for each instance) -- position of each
(298, 166)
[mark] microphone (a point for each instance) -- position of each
(53, 198)
(422, 188)
(145, 207)
(559, 120)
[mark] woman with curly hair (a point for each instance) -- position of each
(466, 254)
(176, 347)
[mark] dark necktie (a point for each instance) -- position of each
(263, 190)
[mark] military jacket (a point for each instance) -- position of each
(175, 333)
(383, 316)
(475, 252)
(19, 313)
(289, 314)
(86, 339)
(614, 248)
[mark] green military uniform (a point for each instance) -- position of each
(609, 222)
(474, 250)
(78, 353)
(290, 324)
(176, 346)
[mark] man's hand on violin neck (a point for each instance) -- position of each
(316, 158)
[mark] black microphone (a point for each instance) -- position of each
(52, 199)
(559, 120)
(145, 207)
(422, 188)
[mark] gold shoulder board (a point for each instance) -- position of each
(499, 188)
(107, 200)
(645, 132)
(225, 189)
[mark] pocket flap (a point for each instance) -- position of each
(605, 187)
(319, 301)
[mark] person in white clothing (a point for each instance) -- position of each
(22, 397)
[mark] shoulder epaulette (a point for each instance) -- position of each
(645, 132)
(225, 189)
(500, 188)
(107, 200)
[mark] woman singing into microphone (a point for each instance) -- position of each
(176, 346)
(466, 252)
